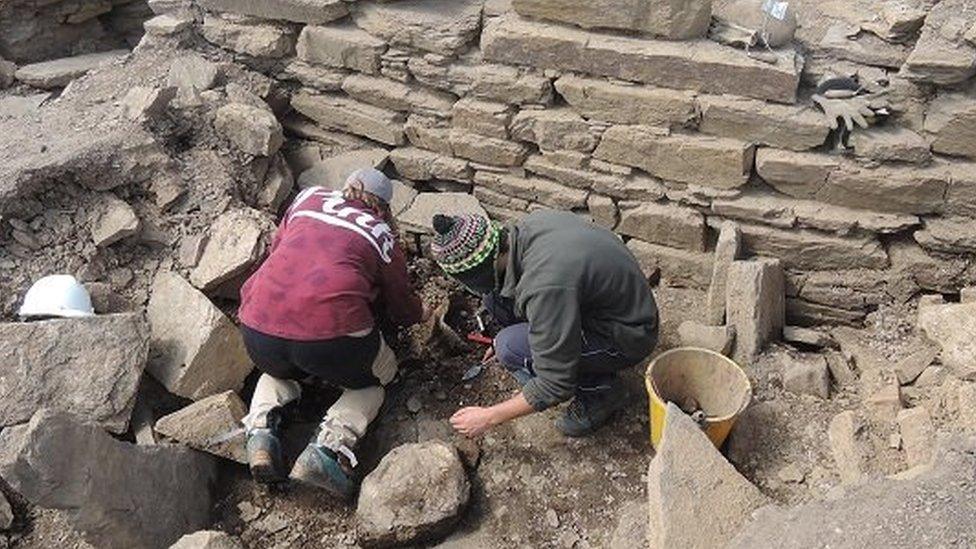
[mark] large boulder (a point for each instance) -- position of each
(416, 494)
(87, 366)
(196, 350)
(117, 494)
(697, 499)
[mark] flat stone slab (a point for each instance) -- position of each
(419, 216)
(59, 72)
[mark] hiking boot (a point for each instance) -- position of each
(591, 408)
(264, 456)
(321, 467)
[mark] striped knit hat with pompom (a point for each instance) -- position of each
(463, 242)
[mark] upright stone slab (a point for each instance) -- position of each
(672, 19)
(755, 304)
(211, 425)
(196, 350)
(313, 12)
(917, 436)
(726, 251)
(117, 494)
(696, 498)
(90, 367)
(847, 446)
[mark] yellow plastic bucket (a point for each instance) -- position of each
(708, 380)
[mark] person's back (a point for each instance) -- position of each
(559, 249)
(323, 275)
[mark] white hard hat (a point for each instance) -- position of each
(57, 295)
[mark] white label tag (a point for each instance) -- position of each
(776, 10)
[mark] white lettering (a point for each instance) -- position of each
(375, 231)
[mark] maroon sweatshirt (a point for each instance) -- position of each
(331, 262)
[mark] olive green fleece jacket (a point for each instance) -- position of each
(568, 277)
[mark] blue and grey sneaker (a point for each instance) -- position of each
(591, 409)
(321, 467)
(264, 456)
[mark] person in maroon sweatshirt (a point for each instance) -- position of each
(310, 311)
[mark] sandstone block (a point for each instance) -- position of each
(278, 184)
(917, 436)
(341, 46)
(672, 19)
(941, 55)
(603, 210)
(487, 118)
(806, 374)
(708, 161)
(708, 67)
(544, 165)
(145, 103)
(884, 401)
(796, 174)
(535, 190)
(840, 369)
(681, 268)
(553, 129)
(891, 144)
(627, 104)
(168, 24)
(788, 213)
(787, 127)
(237, 241)
(193, 72)
(668, 225)
(251, 129)
(727, 250)
(487, 150)
(714, 338)
(256, 40)
(207, 539)
(116, 221)
(755, 305)
(909, 368)
(210, 425)
(953, 328)
(951, 123)
(806, 336)
(419, 216)
(428, 133)
(421, 165)
(813, 251)
(849, 451)
(475, 78)
(90, 367)
(348, 115)
(674, 480)
(952, 235)
(168, 489)
(845, 41)
(196, 350)
(428, 25)
(316, 77)
(313, 12)
(332, 172)
(398, 96)
(60, 72)
(897, 190)
(415, 494)
(960, 198)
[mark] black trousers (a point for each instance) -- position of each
(343, 361)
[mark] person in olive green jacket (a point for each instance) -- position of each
(575, 305)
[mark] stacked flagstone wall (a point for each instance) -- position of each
(626, 111)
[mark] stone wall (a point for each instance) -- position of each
(627, 111)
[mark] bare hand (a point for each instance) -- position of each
(489, 355)
(472, 421)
